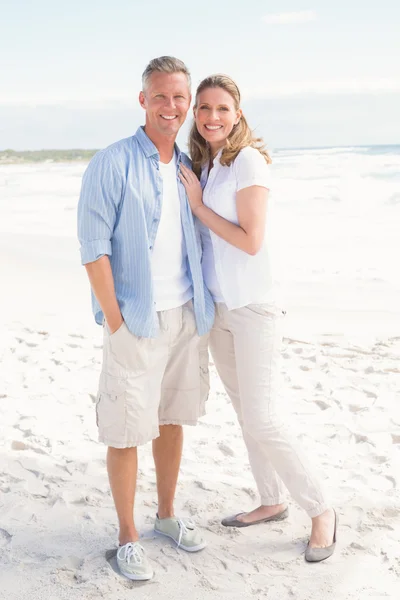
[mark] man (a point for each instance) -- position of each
(142, 256)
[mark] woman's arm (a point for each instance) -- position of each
(251, 204)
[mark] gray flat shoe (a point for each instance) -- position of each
(233, 521)
(319, 554)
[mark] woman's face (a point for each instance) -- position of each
(215, 115)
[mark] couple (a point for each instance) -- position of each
(177, 258)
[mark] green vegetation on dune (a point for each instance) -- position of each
(29, 156)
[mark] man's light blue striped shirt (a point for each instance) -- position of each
(118, 215)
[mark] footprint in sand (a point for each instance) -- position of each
(356, 546)
(392, 480)
(310, 358)
(110, 555)
(250, 492)
(359, 438)
(354, 517)
(391, 512)
(370, 394)
(5, 537)
(379, 460)
(225, 449)
(203, 486)
(321, 404)
(354, 408)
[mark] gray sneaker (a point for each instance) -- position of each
(183, 531)
(132, 562)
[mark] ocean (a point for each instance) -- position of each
(337, 221)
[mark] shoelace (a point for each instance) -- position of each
(184, 526)
(131, 551)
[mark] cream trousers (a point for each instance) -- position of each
(245, 344)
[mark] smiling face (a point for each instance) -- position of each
(216, 115)
(166, 100)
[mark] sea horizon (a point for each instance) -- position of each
(10, 155)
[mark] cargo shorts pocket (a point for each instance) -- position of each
(127, 352)
(111, 407)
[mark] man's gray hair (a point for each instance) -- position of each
(165, 64)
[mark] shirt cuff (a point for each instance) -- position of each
(92, 251)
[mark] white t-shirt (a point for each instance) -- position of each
(172, 286)
(232, 275)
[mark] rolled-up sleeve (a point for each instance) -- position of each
(251, 169)
(98, 207)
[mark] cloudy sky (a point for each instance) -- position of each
(312, 73)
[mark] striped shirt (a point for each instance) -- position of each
(118, 215)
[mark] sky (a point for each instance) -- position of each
(312, 73)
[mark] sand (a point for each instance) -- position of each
(340, 396)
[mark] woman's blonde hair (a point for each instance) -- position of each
(240, 137)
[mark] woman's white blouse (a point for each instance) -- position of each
(232, 275)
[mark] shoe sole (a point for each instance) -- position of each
(137, 577)
(186, 548)
(233, 522)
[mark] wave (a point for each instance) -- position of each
(389, 149)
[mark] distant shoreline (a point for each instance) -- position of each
(80, 155)
(8, 157)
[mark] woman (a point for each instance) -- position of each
(230, 201)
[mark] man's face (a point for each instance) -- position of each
(166, 101)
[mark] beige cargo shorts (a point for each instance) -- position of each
(147, 382)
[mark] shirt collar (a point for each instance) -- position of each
(149, 148)
(204, 168)
(218, 155)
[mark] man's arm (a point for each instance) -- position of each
(97, 213)
(102, 282)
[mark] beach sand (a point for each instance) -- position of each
(339, 396)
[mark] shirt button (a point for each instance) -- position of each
(150, 247)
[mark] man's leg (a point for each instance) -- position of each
(167, 453)
(122, 473)
(182, 402)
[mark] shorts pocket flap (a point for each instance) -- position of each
(111, 385)
(267, 310)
